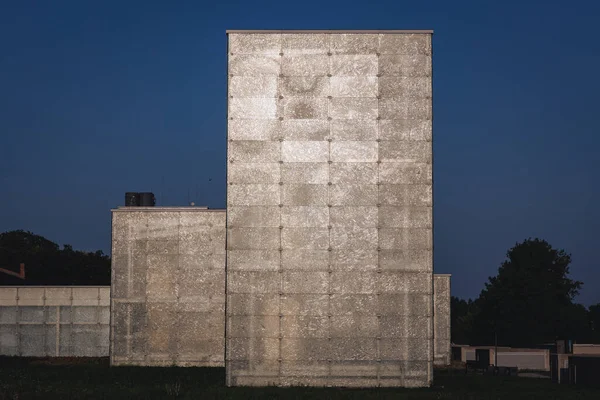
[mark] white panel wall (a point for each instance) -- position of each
(54, 321)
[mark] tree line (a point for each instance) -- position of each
(47, 264)
(529, 303)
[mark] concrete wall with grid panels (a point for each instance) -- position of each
(329, 223)
(168, 286)
(54, 321)
(441, 319)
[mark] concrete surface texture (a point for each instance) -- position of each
(54, 321)
(168, 286)
(329, 200)
(441, 319)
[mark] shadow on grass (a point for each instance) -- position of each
(93, 379)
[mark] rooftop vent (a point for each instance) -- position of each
(140, 199)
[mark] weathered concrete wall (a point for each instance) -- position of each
(441, 319)
(329, 249)
(54, 321)
(168, 286)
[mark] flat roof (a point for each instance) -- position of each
(328, 31)
(54, 286)
(159, 209)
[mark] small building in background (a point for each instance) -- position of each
(522, 358)
(54, 321)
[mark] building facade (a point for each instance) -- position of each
(329, 200)
(168, 286)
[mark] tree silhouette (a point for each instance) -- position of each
(46, 264)
(530, 301)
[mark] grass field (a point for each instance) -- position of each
(93, 379)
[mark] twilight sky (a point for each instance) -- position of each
(100, 98)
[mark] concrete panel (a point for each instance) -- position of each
(354, 130)
(8, 296)
(253, 173)
(354, 65)
(405, 129)
(253, 86)
(304, 304)
(353, 237)
(405, 195)
(304, 108)
(254, 195)
(257, 216)
(305, 43)
(9, 340)
(353, 195)
(253, 65)
(354, 108)
(253, 282)
(32, 314)
(406, 260)
(250, 108)
(305, 282)
(405, 282)
(305, 326)
(304, 195)
(253, 260)
(296, 259)
(407, 44)
(313, 152)
(253, 238)
(304, 129)
(405, 239)
(254, 44)
(304, 216)
(353, 173)
(412, 152)
(403, 65)
(405, 108)
(352, 259)
(351, 43)
(305, 238)
(405, 217)
(177, 315)
(252, 304)
(354, 324)
(301, 65)
(304, 86)
(32, 340)
(30, 296)
(365, 151)
(254, 129)
(254, 151)
(405, 173)
(8, 315)
(58, 296)
(402, 86)
(337, 259)
(359, 216)
(354, 86)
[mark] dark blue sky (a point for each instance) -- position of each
(100, 98)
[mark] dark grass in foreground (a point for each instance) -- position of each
(93, 379)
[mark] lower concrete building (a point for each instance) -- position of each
(54, 321)
(168, 286)
(441, 319)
